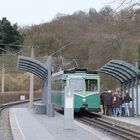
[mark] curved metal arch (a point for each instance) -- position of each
(132, 72)
(31, 62)
(122, 68)
(125, 64)
(118, 71)
(33, 66)
(28, 70)
(113, 75)
(22, 67)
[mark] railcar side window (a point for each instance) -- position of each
(91, 85)
(58, 85)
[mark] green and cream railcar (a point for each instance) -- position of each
(85, 85)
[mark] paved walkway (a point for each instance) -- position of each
(29, 126)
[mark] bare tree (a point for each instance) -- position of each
(128, 3)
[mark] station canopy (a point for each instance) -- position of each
(120, 70)
(33, 66)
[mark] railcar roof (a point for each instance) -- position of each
(76, 70)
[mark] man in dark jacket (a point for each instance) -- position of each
(102, 97)
(121, 101)
(108, 98)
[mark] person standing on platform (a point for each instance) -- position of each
(127, 100)
(102, 98)
(121, 101)
(114, 103)
(108, 98)
(117, 103)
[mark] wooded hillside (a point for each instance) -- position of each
(90, 39)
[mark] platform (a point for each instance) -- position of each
(27, 125)
(133, 123)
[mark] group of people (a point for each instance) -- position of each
(112, 103)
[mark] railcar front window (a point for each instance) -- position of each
(78, 84)
(91, 85)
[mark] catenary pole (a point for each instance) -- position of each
(2, 78)
(31, 83)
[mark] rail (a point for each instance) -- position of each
(3, 106)
(109, 127)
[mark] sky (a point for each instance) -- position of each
(31, 12)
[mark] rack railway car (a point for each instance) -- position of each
(85, 85)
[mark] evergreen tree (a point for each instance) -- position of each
(9, 34)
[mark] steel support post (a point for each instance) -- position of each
(44, 91)
(68, 108)
(136, 83)
(3, 79)
(129, 86)
(124, 89)
(132, 87)
(50, 107)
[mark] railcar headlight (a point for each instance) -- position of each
(84, 100)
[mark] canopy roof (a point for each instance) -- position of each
(120, 70)
(33, 66)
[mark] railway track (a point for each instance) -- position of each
(7, 105)
(122, 132)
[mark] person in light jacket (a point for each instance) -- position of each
(127, 100)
